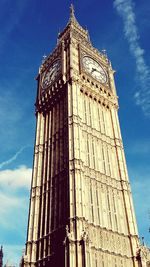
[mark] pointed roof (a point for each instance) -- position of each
(73, 20)
(72, 15)
(73, 23)
(72, 11)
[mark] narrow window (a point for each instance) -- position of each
(109, 210)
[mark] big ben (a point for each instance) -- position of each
(81, 211)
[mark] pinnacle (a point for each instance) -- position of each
(72, 15)
(71, 10)
(73, 23)
(72, 19)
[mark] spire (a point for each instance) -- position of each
(72, 15)
(73, 20)
(71, 11)
(73, 23)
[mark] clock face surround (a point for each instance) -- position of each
(51, 74)
(92, 67)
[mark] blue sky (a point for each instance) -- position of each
(28, 30)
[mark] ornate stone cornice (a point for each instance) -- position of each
(50, 58)
(143, 255)
(99, 93)
(50, 96)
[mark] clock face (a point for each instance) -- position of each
(51, 74)
(95, 69)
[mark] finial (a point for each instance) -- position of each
(58, 32)
(71, 10)
(104, 51)
(72, 15)
(44, 58)
(88, 34)
(72, 19)
(143, 243)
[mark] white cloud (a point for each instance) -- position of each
(12, 202)
(125, 9)
(13, 211)
(16, 178)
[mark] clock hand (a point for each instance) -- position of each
(102, 75)
(93, 70)
(52, 74)
(100, 72)
(97, 71)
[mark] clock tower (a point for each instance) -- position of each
(81, 211)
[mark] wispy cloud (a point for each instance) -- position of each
(125, 9)
(9, 161)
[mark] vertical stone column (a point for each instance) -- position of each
(52, 170)
(45, 186)
(1, 256)
(32, 194)
(42, 195)
(77, 195)
(35, 191)
(111, 78)
(63, 61)
(127, 199)
(71, 57)
(72, 180)
(49, 179)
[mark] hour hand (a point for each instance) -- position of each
(100, 72)
(93, 69)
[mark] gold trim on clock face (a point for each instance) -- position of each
(51, 74)
(92, 67)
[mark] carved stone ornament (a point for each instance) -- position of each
(85, 236)
(143, 255)
(145, 252)
(68, 237)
